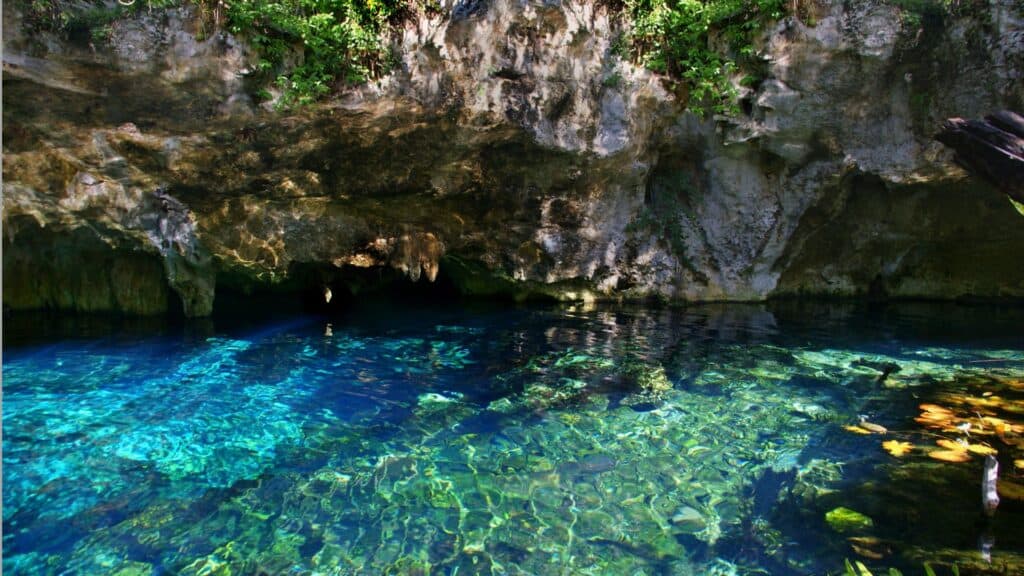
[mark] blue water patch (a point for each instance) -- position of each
(517, 441)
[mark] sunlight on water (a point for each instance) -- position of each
(715, 440)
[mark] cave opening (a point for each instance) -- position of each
(330, 291)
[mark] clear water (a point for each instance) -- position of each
(706, 440)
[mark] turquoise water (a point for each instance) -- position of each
(544, 440)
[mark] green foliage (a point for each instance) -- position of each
(93, 16)
(430, 6)
(101, 33)
(54, 16)
(675, 37)
(926, 6)
(860, 570)
(337, 39)
(697, 44)
(613, 80)
(330, 39)
(663, 219)
(620, 46)
(916, 11)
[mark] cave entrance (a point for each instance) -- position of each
(327, 290)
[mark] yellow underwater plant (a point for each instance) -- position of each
(897, 448)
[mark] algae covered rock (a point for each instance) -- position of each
(653, 380)
(845, 520)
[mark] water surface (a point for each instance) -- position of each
(511, 440)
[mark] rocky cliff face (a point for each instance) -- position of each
(513, 152)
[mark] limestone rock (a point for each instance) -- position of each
(499, 153)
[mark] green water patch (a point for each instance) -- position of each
(566, 443)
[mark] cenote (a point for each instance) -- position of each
(779, 438)
(513, 287)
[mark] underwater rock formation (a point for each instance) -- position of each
(513, 151)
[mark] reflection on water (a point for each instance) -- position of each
(707, 440)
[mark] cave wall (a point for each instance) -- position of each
(514, 147)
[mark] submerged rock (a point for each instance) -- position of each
(688, 520)
(845, 520)
(592, 464)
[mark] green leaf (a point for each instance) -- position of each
(928, 570)
(863, 569)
